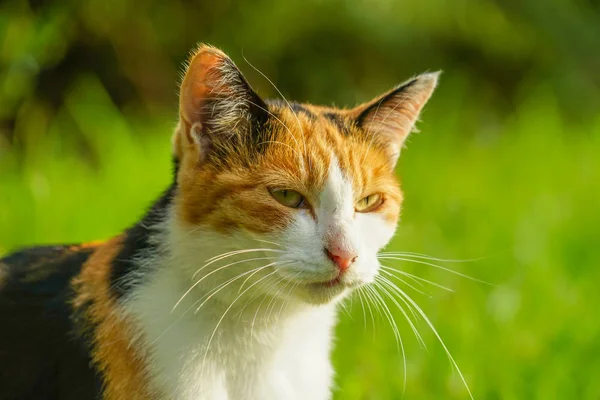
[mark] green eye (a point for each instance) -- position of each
(370, 203)
(289, 198)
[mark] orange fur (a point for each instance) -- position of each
(87, 245)
(122, 367)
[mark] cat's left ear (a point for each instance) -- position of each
(389, 119)
(217, 106)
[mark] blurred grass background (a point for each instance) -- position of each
(507, 166)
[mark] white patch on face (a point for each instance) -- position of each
(336, 225)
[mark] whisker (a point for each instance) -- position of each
(287, 263)
(426, 257)
(234, 252)
(435, 266)
(367, 302)
(251, 272)
(284, 125)
(404, 282)
(388, 292)
(209, 294)
(213, 272)
(415, 278)
(220, 257)
(399, 344)
(435, 332)
(274, 299)
(362, 305)
(284, 99)
(255, 316)
(255, 296)
(225, 313)
(292, 287)
(345, 309)
(283, 144)
(268, 241)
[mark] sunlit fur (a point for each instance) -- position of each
(237, 304)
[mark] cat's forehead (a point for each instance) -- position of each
(314, 116)
(307, 142)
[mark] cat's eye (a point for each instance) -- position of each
(370, 203)
(289, 198)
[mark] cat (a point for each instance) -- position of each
(227, 287)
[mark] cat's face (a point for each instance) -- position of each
(316, 184)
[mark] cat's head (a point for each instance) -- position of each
(314, 184)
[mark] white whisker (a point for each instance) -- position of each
(270, 242)
(223, 316)
(287, 102)
(414, 278)
(209, 295)
(404, 282)
(367, 302)
(386, 283)
(402, 294)
(234, 252)
(399, 344)
(426, 257)
(213, 272)
(433, 265)
(281, 122)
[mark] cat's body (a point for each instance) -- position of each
(47, 331)
(227, 288)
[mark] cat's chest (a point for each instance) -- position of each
(199, 356)
(268, 365)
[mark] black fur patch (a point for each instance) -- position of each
(137, 243)
(339, 121)
(42, 353)
(295, 107)
(299, 109)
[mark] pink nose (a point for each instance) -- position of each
(343, 259)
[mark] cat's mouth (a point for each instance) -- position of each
(323, 291)
(332, 283)
(330, 289)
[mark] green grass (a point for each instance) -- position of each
(523, 194)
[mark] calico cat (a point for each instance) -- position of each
(227, 287)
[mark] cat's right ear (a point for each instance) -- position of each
(216, 105)
(389, 119)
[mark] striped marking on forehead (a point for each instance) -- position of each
(313, 142)
(340, 123)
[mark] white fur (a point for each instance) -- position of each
(266, 335)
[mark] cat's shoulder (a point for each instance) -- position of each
(45, 268)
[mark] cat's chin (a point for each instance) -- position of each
(322, 293)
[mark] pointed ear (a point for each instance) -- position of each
(391, 117)
(216, 105)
